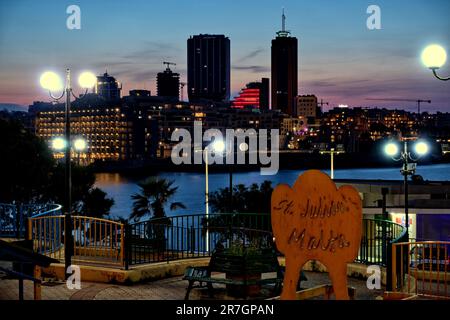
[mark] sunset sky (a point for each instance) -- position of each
(340, 60)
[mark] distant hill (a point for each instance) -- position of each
(13, 107)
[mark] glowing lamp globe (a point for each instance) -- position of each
(391, 149)
(50, 81)
(219, 146)
(58, 144)
(243, 147)
(434, 56)
(87, 80)
(421, 148)
(79, 144)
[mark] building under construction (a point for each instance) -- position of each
(168, 83)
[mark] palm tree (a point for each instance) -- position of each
(154, 194)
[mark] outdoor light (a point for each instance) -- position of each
(421, 148)
(434, 57)
(331, 152)
(51, 81)
(218, 146)
(79, 144)
(58, 144)
(408, 168)
(391, 149)
(87, 80)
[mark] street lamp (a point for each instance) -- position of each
(79, 145)
(218, 146)
(332, 152)
(434, 57)
(52, 82)
(58, 144)
(393, 150)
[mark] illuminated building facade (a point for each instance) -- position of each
(254, 95)
(307, 106)
(248, 97)
(113, 132)
(108, 87)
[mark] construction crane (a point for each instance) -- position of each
(168, 64)
(182, 84)
(419, 101)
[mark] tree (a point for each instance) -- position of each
(252, 199)
(86, 199)
(25, 164)
(155, 193)
(29, 173)
(96, 204)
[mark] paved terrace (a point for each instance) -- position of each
(173, 288)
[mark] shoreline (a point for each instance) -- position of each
(293, 161)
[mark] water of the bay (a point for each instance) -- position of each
(191, 186)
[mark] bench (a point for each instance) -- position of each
(243, 272)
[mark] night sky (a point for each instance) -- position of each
(340, 60)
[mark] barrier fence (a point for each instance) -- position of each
(185, 236)
(377, 238)
(13, 217)
(421, 268)
(107, 242)
(95, 241)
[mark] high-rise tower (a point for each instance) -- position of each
(208, 58)
(284, 69)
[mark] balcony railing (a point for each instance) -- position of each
(102, 241)
(13, 217)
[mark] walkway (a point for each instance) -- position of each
(167, 289)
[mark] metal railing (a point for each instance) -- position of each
(421, 268)
(13, 217)
(186, 236)
(377, 238)
(180, 237)
(96, 241)
(103, 241)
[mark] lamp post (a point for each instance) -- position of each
(79, 145)
(332, 151)
(408, 168)
(434, 57)
(52, 82)
(218, 147)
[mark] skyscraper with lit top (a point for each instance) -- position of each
(284, 69)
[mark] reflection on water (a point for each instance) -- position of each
(191, 186)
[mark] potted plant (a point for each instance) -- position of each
(241, 264)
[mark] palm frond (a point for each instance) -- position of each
(177, 205)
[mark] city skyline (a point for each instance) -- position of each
(385, 63)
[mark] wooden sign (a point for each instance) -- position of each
(314, 220)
